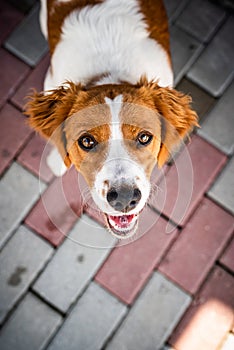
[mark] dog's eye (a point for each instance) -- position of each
(144, 138)
(87, 142)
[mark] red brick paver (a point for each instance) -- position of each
(128, 267)
(13, 134)
(198, 246)
(12, 72)
(58, 209)
(210, 317)
(34, 81)
(227, 258)
(187, 181)
(33, 157)
(9, 18)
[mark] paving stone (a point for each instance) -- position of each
(153, 316)
(19, 266)
(74, 264)
(18, 192)
(35, 80)
(27, 41)
(58, 209)
(31, 326)
(9, 18)
(184, 50)
(214, 70)
(188, 179)
(227, 257)
(174, 7)
(201, 18)
(198, 246)
(128, 267)
(223, 189)
(13, 135)
(33, 157)
(210, 316)
(12, 72)
(201, 101)
(167, 348)
(93, 212)
(229, 343)
(23, 5)
(91, 322)
(217, 128)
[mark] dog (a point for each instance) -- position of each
(108, 103)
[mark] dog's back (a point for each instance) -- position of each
(108, 41)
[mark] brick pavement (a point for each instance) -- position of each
(63, 282)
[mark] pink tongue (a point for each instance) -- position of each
(122, 221)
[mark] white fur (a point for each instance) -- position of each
(119, 165)
(112, 38)
(115, 107)
(55, 163)
(43, 18)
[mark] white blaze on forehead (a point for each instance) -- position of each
(119, 166)
(115, 107)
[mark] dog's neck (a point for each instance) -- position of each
(107, 78)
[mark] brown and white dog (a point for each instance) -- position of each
(109, 104)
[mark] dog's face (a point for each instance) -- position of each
(114, 135)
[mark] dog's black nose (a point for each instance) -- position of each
(123, 198)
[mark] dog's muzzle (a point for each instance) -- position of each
(123, 198)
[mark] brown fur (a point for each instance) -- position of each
(48, 112)
(178, 118)
(165, 112)
(57, 12)
(153, 11)
(156, 19)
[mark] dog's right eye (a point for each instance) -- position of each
(87, 142)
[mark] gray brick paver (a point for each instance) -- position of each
(20, 261)
(30, 327)
(201, 18)
(222, 190)
(184, 50)
(214, 69)
(152, 317)
(174, 8)
(74, 264)
(93, 319)
(19, 190)
(26, 41)
(218, 126)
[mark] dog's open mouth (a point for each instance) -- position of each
(122, 226)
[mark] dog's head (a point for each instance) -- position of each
(114, 135)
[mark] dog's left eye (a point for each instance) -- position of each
(87, 142)
(144, 138)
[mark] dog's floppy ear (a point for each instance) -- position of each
(177, 119)
(47, 112)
